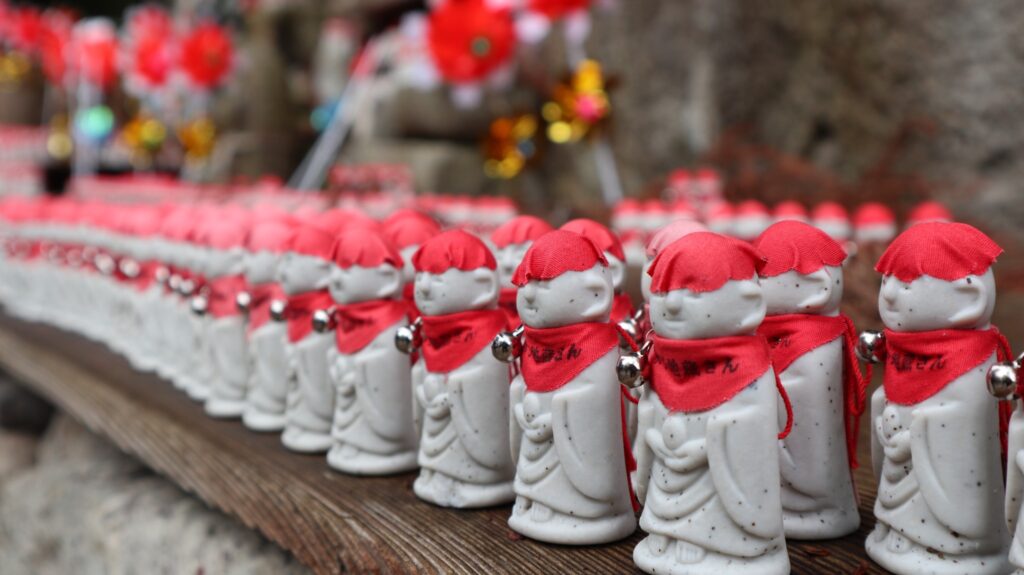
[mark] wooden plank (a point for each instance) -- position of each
(330, 522)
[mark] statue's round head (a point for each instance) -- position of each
(366, 267)
(704, 286)
(607, 242)
(874, 223)
(563, 279)
(660, 240)
(833, 219)
(928, 211)
(455, 271)
(407, 230)
(938, 276)
(751, 219)
(306, 265)
(511, 241)
(804, 272)
(789, 210)
(268, 240)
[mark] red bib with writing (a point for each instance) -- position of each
(300, 310)
(224, 295)
(792, 335)
(449, 341)
(700, 374)
(261, 297)
(553, 356)
(358, 324)
(920, 364)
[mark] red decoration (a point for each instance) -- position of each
(95, 49)
(555, 9)
(469, 39)
(555, 253)
(207, 54)
(703, 262)
(552, 357)
(53, 45)
(24, 28)
(791, 245)
(151, 53)
(945, 251)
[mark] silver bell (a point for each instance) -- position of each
(186, 287)
(277, 309)
(629, 369)
(1002, 380)
(105, 264)
(199, 305)
(162, 275)
(503, 346)
(129, 267)
(867, 343)
(405, 337)
(323, 321)
(242, 301)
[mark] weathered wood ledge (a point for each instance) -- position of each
(331, 522)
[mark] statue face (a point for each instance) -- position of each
(573, 297)
(929, 303)
(818, 293)
(736, 308)
(836, 229)
(456, 290)
(509, 258)
(261, 267)
(221, 263)
(301, 273)
(357, 284)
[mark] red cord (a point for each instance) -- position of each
(789, 407)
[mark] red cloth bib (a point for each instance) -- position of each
(507, 303)
(554, 356)
(920, 364)
(259, 305)
(792, 335)
(449, 341)
(359, 323)
(622, 308)
(700, 374)
(223, 295)
(300, 310)
(147, 274)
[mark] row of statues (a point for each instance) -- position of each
(514, 369)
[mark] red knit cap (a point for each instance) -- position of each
(751, 208)
(312, 240)
(453, 249)
(411, 229)
(555, 253)
(873, 214)
(271, 233)
(670, 233)
(943, 250)
(829, 212)
(930, 211)
(792, 245)
(365, 248)
(518, 230)
(704, 262)
(790, 210)
(603, 238)
(227, 230)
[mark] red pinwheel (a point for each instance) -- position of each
(469, 39)
(555, 9)
(24, 28)
(150, 35)
(207, 55)
(54, 40)
(95, 51)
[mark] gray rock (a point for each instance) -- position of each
(86, 508)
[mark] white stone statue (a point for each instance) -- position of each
(812, 346)
(707, 453)
(935, 431)
(464, 452)
(510, 242)
(304, 275)
(373, 431)
(567, 418)
(268, 338)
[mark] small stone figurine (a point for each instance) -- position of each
(1006, 383)
(373, 427)
(611, 247)
(407, 230)
(935, 432)
(510, 241)
(812, 347)
(464, 448)
(305, 274)
(268, 388)
(707, 454)
(567, 420)
(226, 241)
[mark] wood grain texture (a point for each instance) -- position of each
(331, 522)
